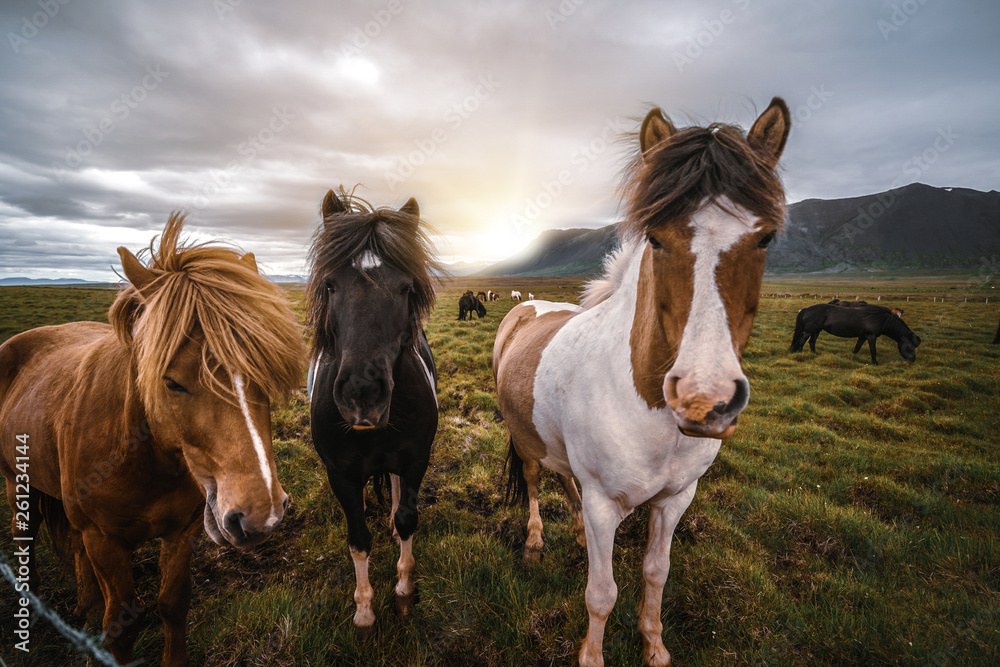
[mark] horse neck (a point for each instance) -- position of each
(616, 314)
(894, 327)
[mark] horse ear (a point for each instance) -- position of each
(332, 204)
(410, 208)
(249, 261)
(655, 128)
(770, 132)
(137, 274)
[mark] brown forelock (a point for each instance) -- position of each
(246, 321)
(663, 302)
(692, 168)
(521, 343)
(398, 238)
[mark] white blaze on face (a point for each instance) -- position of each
(707, 356)
(367, 261)
(258, 442)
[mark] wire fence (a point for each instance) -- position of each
(86, 644)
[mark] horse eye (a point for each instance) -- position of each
(330, 288)
(406, 291)
(175, 387)
(656, 245)
(766, 241)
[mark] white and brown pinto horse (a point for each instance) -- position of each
(632, 391)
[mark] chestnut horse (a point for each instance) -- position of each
(631, 392)
(131, 427)
(372, 387)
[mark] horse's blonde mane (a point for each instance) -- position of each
(615, 264)
(245, 321)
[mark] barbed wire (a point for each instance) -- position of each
(81, 641)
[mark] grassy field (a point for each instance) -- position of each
(852, 519)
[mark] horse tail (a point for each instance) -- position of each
(800, 329)
(54, 514)
(516, 491)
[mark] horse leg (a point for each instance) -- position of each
(88, 592)
(575, 507)
(663, 518)
(24, 526)
(601, 515)
(861, 341)
(112, 563)
(359, 542)
(394, 492)
(405, 521)
(175, 592)
(812, 342)
(871, 346)
(534, 543)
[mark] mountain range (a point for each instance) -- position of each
(913, 227)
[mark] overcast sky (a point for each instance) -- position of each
(244, 113)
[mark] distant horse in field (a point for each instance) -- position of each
(481, 296)
(631, 392)
(468, 305)
(863, 322)
(151, 427)
(515, 296)
(531, 297)
(493, 296)
(373, 387)
(898, 312)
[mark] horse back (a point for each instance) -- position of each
(38, 372)
(521, 338)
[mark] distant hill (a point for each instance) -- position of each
(459, 269)
(913, 227)
(42, 281)
(559, 252)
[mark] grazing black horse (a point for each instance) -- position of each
(372, 383)
(863, 322)
(468, 305)
(898, 312)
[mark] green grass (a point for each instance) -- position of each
(852, 519)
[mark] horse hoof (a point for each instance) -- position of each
(532, 555)
(405, 603)
(364, 631)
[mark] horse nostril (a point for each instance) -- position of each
(234, 525)
(285, 503)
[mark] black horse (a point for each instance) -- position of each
(898, 312)
(372, 383)
(863, 322)
(468, 305)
